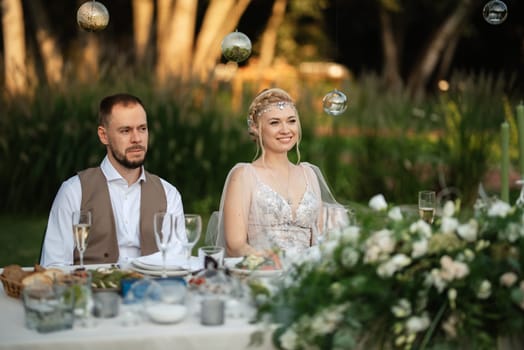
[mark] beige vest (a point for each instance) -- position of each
(102, 244)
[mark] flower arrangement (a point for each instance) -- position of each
(397, 282)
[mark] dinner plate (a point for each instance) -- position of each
(158, 273)
(154, 263)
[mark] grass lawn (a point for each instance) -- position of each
(20, 239)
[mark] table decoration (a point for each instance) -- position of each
(395, 282)
(520, 125)
(504, 167)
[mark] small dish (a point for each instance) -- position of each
(166, 313)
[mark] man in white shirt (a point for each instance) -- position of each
(121, 195)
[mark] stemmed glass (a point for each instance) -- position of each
(426, 205)
(81, 227)
(190, 235)
(163, 226)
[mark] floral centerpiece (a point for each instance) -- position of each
(397, 282)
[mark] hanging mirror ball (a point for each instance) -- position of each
(236, 46)
(495, 12)
(335, 103)
(92, 16)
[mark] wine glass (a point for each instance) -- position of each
(426, 205)
(163, 226)
(81, 227)
(190, 235)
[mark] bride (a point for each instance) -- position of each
(271, 202)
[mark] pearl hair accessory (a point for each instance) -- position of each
(279, 105)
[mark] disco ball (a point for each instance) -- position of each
(236, 46)
(92, 16)
(335, 103)
(495, 12)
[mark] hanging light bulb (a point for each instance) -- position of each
(495, 12)
(236, 46)
(335, 103)
(92, 16)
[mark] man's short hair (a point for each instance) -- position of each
(108, 102)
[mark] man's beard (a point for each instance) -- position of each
(122, 159)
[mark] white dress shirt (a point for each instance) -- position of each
(59, 245)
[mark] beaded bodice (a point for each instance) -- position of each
(273, 221)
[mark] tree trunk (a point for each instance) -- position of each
(179, 47)
(221, 17)
(269, 37)
(391, 68)
(50, 52)
(143, 11)
(15, 65)
(447, 58)
(426, 65)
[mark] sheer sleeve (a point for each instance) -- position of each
(235, 203)
(334, 215)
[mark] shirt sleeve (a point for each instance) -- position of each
(58, 244)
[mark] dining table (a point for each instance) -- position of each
(114, 333)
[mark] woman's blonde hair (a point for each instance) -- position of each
(265, 101)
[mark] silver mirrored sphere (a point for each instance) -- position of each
(335, 103)
(92, 16)
(236, 47)
(495, 12)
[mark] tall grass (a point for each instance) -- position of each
(385, 142)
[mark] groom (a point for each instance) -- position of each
(120, 194)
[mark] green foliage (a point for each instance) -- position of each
(400, 283)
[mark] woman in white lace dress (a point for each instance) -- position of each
(271, 202)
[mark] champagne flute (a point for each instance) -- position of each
(163, 226)
(81, 227)
(190, 235)
(426, 205)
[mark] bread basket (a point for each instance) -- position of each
(11, 287)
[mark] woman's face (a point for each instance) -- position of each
(279, 129)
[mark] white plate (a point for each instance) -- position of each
(256, 273)
(147, 265)
(158, 273)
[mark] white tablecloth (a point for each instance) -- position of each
(110, 334)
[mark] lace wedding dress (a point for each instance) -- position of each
(272, 220)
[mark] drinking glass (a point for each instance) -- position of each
(163, 226)
(190, 235)
(81, 227)
(426, 205)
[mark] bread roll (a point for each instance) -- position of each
(37, 277)
(54, 274)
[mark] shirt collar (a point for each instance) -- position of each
(112, 174)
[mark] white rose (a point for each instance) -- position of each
(468, 232)
(288, 340)
(508, 279)
(484, 290)
(449, 225)
(499, 208)
(378, 202)
(350, 234)
(417, 324)
(449, 209)
(420, 248)
(421, 227)
(402, 308)
(395, 214)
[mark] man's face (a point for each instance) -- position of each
(126, 135)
